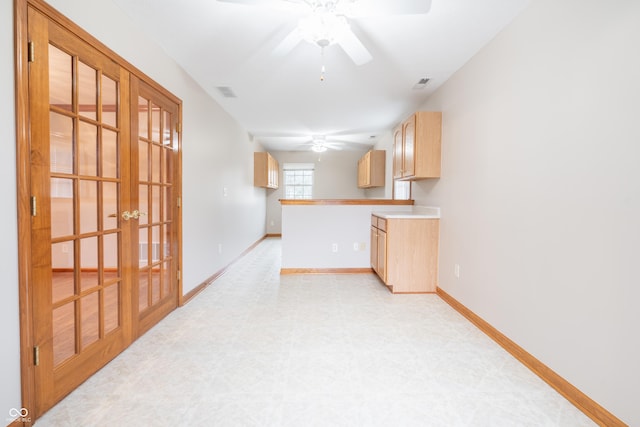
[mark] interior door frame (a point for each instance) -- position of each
(23, 169)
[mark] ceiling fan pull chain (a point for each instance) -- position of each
(322, 69)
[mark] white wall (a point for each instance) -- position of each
(335, 177)
(310, 231)
(540, 191)
(217, 153)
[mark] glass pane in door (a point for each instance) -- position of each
(88, 205)
(89, 319)
(166, 278)
(143, 203)
(64, 333)
(87, 91)
(109, 101)
(144, 290)
(61, 143)
(143, 118)
(155, 123)
(109, 162)
(87, 149)
(155, 204)
(109, 205)
(88, 263)
(62, 207)
(60, 78)
(62, 266)
(111, 307)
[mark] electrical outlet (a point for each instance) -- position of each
(225, 193)
(456, 270)
(356, 247)
(334, 247)
(272, 223)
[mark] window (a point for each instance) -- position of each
(401, 190)
(298, 180)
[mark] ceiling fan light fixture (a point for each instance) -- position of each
(319, 148)
(322, 27)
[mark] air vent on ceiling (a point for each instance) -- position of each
(226, 91)
(421, 83)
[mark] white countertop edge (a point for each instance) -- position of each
(417, 212)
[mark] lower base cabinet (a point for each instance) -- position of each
(404, 253)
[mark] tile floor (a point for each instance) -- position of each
(257, 349)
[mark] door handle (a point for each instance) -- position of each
(126, 215)
(137, 214)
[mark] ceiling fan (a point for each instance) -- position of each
(320, 143)
(328, 22)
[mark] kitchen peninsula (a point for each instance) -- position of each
(330, 235)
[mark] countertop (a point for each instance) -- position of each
(418, 212)
(345, 202)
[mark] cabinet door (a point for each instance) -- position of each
(398, 156)
(374, 249)
(382, 255)
(364, 171)
(409, 147)
(273, 172)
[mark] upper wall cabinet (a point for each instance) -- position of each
(371, 169)
(265, 170)
(416, 147)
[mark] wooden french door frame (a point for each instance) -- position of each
(26, 261)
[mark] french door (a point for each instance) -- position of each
(154, 120)
(103, 163)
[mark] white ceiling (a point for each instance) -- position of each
(280, 100)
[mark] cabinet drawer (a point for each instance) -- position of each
(382, 224)
(374, 221)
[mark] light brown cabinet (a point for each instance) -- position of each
(379, 246)
(265, 170)
(404, 253)
(371, 168)
(417, 147)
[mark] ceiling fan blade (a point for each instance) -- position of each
(285, 5)
(369, 8)
(257, 2)
(353, 47)
(288, 43)
(333, 146)
(249, 2)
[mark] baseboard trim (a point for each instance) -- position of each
(274, 235)
(202, 286)
(285, 271)
(580, 400)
